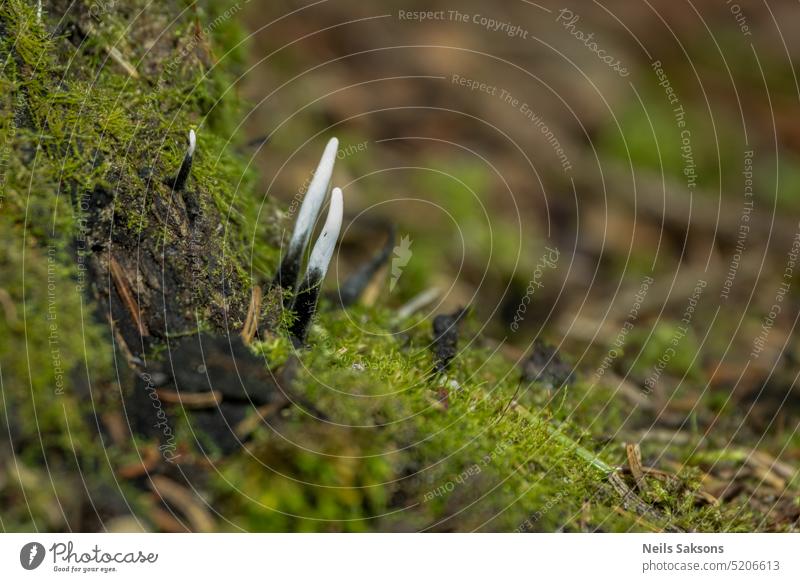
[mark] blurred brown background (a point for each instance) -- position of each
(490, 132)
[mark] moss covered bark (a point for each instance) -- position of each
(101, 257)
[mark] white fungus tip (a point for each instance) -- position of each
(315, 196)
(192, 143)
(326, 243)
(333, 145)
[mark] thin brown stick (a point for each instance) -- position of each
(635, 463)
(247, 426)
(120, 282)
(251, 322)
(146, 465)
(191, 399)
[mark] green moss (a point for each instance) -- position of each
(403, 449)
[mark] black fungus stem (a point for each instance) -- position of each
(179, 183)
(289, 270)
(305, 306)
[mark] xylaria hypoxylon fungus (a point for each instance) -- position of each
(305, 304)
(313, 202)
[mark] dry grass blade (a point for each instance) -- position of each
(116, 56)
(185, 501)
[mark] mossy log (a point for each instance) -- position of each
(120, 262)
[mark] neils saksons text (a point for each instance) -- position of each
(665, 548)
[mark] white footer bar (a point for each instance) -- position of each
(400, 557)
